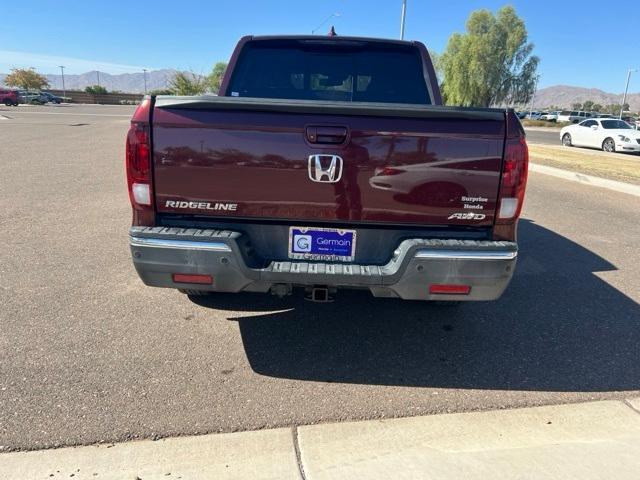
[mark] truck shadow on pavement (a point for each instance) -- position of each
(558, 327)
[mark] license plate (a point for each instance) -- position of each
(323, 244)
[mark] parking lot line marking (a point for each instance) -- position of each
(76, 114)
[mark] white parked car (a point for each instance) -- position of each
(611, 135)
(533, 116)
(550, 116)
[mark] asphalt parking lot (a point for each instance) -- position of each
(543, 137)
(88, 354)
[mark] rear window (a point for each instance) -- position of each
(338, 71)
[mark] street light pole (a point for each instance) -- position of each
(144, 72)
(64, 90)
(626, 89)
(402, 18)
(98, 74)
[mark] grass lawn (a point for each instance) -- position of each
(614, 166)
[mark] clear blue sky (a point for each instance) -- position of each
(122, 36)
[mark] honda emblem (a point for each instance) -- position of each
(325, 168)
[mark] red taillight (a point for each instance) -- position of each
(138, 165)
(192, 278)
(389, 171)
(514, 180)
(449, 289)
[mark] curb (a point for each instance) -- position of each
(548, 442)
(543, 129)
(614, 185)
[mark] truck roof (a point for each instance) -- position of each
(330, 38)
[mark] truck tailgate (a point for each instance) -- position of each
(300, 161)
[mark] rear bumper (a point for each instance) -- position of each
(416, 264)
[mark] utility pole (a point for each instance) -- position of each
(626, 89)
(144, 72)
(64, 90)
(98, 74)
(402, 18)
(535, 89)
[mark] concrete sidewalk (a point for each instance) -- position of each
(622, 187)
(599, 440)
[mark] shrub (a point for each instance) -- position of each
(162, 91)
(96, 90)
(543, 123)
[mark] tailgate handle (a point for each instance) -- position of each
(326, 135)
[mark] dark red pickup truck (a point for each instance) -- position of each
(326, 163)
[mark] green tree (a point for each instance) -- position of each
(576, 106)
(215, 77)
(588, 106)
(492, 63)
(188, 83)
(26, 78)
(96, 90)
(614, 108)
(597, 107)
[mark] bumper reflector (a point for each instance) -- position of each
(191, 278)
(449, 289)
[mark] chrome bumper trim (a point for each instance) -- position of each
(179, 244)
(466, 255)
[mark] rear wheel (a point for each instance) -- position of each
(609, 145)
(7, 102)
(566, 140)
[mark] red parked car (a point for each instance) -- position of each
(9, 97)
(326, 164)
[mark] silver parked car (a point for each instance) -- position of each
(573, 116)
(35, 98)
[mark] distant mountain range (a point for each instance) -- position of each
(560, 95)
(564, 95)
(125, 82)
